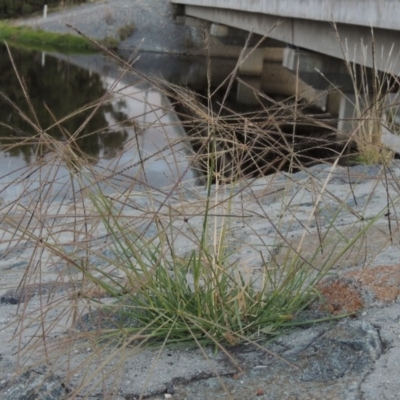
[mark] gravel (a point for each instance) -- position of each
(155, 28)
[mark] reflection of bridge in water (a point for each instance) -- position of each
(304, 40)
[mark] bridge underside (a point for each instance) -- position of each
(360, 44)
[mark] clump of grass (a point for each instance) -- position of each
(126, 31)
(368, 119)
(200, 297)
(370, 88)
(43, 40)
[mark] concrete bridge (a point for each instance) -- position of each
(308, 24)
(310, 40)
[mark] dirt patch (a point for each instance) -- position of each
(340, 296)
(355, 289)
(383, 282)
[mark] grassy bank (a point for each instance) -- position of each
(33, 39)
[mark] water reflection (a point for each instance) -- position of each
(128, 140)
(55, 91)
(133, 138)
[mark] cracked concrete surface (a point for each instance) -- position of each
(354, 358)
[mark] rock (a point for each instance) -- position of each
(26, 292)
(32, 385)
(349, 348)
(321, 363)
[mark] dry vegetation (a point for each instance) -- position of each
(158, 266)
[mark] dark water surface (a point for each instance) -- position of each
(131, 129)
(133, 139)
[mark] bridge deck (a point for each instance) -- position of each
(308, 24)
(377, 13)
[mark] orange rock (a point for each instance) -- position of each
(344, 294)
(383, 281)
(340, 296)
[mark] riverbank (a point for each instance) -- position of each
(153, 22)
(152, 27)
(34, 39)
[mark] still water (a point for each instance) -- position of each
(131, 139)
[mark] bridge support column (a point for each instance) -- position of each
(247, 88)
(219, 30)
(280, 81)
(343, 106)
(318, 70)
(253, 62)
(359, 115)
(250, 71)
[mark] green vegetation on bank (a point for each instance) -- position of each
(21, 36)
